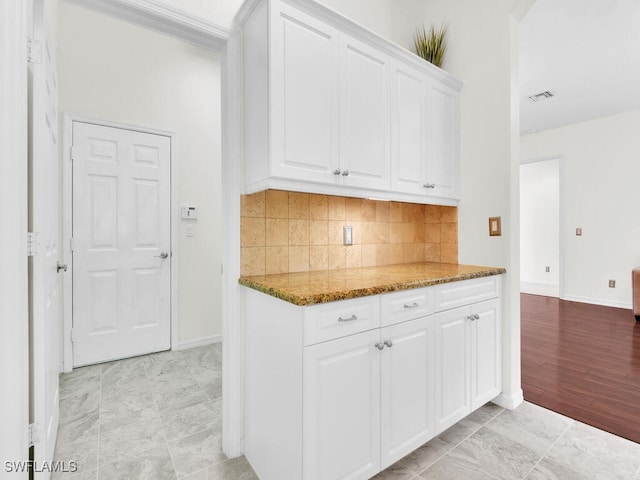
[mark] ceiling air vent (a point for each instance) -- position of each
(541, 96)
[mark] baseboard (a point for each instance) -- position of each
(539, 289)
(597, 301)
(198, 342)
(511, 401)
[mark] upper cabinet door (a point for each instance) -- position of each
(444, 155)
(303, 97)
(409, 89)
(364, 115)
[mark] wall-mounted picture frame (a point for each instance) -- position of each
(495, 226)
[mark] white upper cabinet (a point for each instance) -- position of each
(409, 128)
(330, 107)
(303, 97)
(364, 115)
(442, 176)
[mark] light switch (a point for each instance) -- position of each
(578, 231)
(348, 235)
(189, 212)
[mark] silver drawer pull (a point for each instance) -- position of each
(413, 305)
(379, 345)
(476, 316)
(350, 319)
(388, 343)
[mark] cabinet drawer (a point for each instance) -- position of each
(457, 294)
(338, 319)
(398, 307)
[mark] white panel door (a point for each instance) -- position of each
(303, 97)
(452, 367)
(46, 324)
(407, 401)
(341, 408)
(409, 129)
(486, 375)
(364, 115)
(121, 243)
(444, 143)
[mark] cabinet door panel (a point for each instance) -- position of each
(364, 115)
(303, 97)
(341, 404)
(407, 389)
(443, 165)
(409, 129)
(453, 381)
(485, 353)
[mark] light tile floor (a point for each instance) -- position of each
(158, 417)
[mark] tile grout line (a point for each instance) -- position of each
(164, 433)
(546, 452)
(99, 425)
(453, 447)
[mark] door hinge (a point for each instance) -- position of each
(34, 51)
(33, 434)
(75, 151)
(33, 243)
(72, 243)
(73, 337)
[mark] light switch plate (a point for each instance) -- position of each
(348, 235)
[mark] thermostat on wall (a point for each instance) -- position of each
(189, 211)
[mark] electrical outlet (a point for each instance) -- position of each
(578, 231)
(547, 269)
(612, 284)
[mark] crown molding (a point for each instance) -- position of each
(163, 18)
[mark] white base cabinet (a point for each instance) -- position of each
(343, 390)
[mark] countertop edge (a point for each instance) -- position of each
(332, 296)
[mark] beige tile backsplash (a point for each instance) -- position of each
(283, 232)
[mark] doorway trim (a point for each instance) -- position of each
(67, 225)
(14, 305)
(160, 17)
(561, 213)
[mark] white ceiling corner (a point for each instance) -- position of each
(587, 52)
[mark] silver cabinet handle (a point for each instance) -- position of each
(345, 173)
(413, 305)
(336, 171)
(163, 255)
(470, 317)
(379, 346)
(476, 316)
(61, 266)
(350, 319)
(429, 185)
(388, 343)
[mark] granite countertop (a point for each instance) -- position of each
(309, 288)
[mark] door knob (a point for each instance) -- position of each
(163, 255)
(336, 171)
(61, 266)
(388, 343)
(379, 345)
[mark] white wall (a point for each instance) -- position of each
(600, 194)
(540, 227)
(482, 55)
(116, 71)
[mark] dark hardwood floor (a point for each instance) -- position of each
(582, 361)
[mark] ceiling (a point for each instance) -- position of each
(587, 52)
